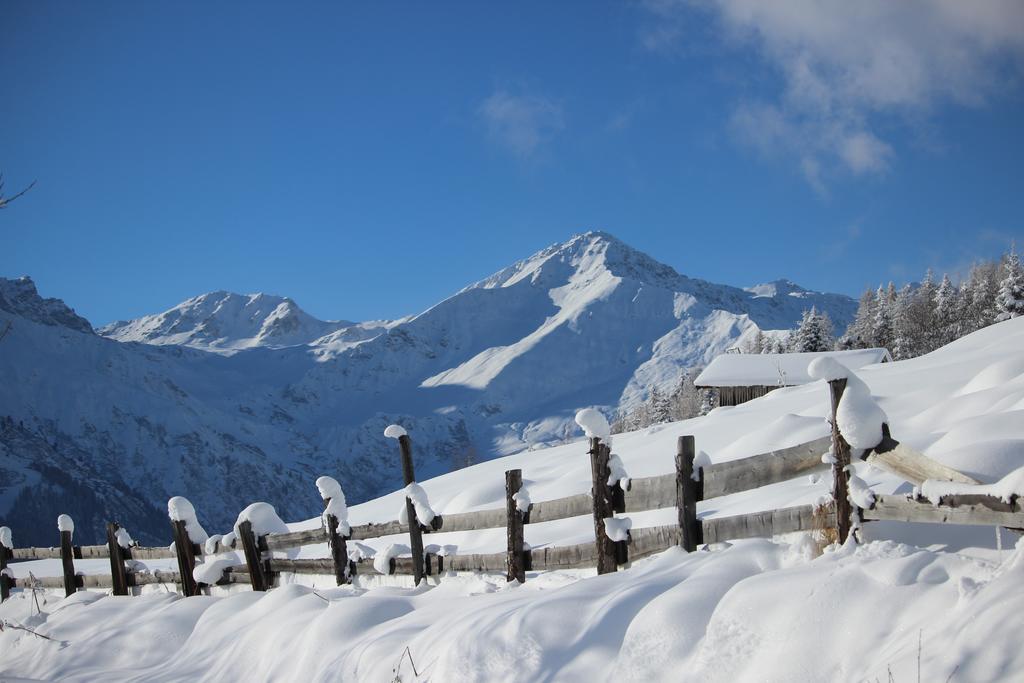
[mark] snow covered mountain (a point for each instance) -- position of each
(226, 322)
(233, 398)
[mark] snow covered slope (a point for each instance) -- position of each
(750, 612)
(234, 397)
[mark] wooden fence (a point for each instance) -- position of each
(681, 489)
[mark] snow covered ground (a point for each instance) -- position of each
(941, 598)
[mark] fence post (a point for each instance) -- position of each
(253, 556)
(602, 502)
(514, 527)
(5, 557)
(67, 554)
(118, 574)
(186, 553)
(688, 492)
(415, 533)
(841, 460)
(339, 548)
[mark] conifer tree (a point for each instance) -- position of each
(947, 314)
(883, 331)
(1010, 300)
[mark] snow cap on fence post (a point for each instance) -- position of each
(65, 523)
(124, 539)
(594, 424)
(179, 509)
(263, 518)
(395, 432)
(5, 537)
(858, 416)
(330, 491)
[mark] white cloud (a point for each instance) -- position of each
(846, 66)
(521, 123)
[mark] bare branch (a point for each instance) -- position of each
(4, 201)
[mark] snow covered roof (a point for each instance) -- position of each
(778, 369)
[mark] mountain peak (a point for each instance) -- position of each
(780, 287)
(584, 252)
(20, 297)
(226, 322)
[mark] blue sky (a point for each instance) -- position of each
(370, 159)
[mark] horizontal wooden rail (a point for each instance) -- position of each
(966, 509)
(81, 552)
(293, 539)
(100, 580)
(734, 476)
(764, 524)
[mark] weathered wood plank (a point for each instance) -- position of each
(305, 566)
(561, 508)
(155, 553)
(764, 524)
(563, 557)
(772, 467)
(734, 476)
(35, 554)
(651, 540)
(477, 562)
(86, 552)
(493, 518)
(651, 493)
(89, 552)
(901, 460)
(295, 539)
(377, 530)
(147, 578)
(969, 510)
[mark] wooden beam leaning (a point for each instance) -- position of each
(903, 461)
(415, 534)
(67, 560)
(516, 568)
(688, 492)
(840, 461)
(601, 505)
(186, 554)
(253, 556)
(118, 573)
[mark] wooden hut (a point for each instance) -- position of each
(741, 377)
